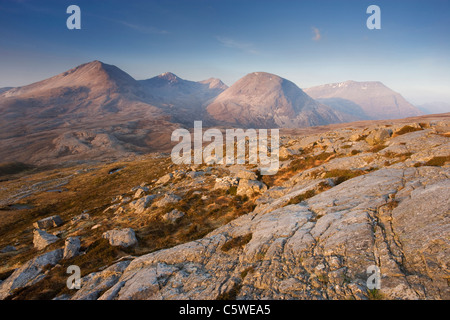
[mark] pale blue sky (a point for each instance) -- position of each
(307, 42)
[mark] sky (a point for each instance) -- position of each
(307, 42)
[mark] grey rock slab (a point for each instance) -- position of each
(29, 273)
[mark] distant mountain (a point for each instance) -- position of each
(265, 100)
(364, 100)
(5, 89)
(93, 110)
(434, 107)
(184, 100)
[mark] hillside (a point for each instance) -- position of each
(344, 199)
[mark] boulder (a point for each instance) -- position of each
(164, 179)
(249, 187)
(173, 215)
(140, 192)
(378, 136)
(123, 237)
(42, 239)
(246, 174)
(168, 198)
(49, 222)
(72, 247)
(142, 204)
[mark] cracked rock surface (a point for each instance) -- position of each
(396, 219)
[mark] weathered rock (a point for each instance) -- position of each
(225, 183)
(143, 203)
(123, 237)
(72, 247)
(249, 187)
(246, 174)
(83, 216)
(95, 283)
(42, 239)
(195, 174)
(29, 273)
(140, 192)
(168, 198)
(49, 222)
(173, 215)
(319, 249)
(378, 135)
(165, 179)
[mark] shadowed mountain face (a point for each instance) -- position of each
(183, 100)
(5, 89)
(92, 111)
(374, 99)
(97, 111)
(265, 100)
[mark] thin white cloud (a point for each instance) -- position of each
(231, 43)
(317, 36)
(143, 29)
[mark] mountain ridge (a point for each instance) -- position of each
(263, 99)
(375, 99)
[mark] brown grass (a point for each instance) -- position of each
(230, 294)
(237, 242)
(434, 162)
(406, 129)
(342, 175)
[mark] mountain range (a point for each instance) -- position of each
(98, 111)
(369, 100)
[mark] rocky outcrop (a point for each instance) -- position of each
(250, 187)
(95, 283)
(343, 201)
(319, 249)
(29, 273)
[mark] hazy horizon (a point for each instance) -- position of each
(308, 43)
